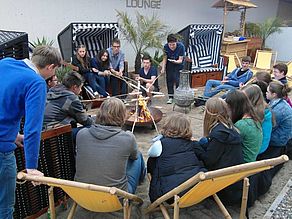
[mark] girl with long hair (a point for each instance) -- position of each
(221, 146)
(248, 123)
(263, 111)
(83, 62)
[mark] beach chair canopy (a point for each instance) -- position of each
(13, 44)
(204, 185)
(95, 36)
(203, 46)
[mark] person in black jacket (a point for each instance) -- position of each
(222, 145)
(172, 160)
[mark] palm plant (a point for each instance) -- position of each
(144, 33)
(41, 42)
(265, 29)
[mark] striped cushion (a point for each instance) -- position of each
(205, 61)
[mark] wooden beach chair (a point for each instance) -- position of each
(91, 197)
(289, 73)
(203, 185)
(233, 62)
(264, 60)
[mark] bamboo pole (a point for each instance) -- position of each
(72, 211)
(164, 211)
(244, 198)
(224, 17)
(265, 164)
(176, 207)
(80, 185)
(52, 202)
(126, 209)
(222, 207)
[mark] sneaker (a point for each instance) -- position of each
(199, 102)
(170, 100)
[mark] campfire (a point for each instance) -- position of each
(144, 113)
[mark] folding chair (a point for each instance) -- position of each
(289, 73)
(203, 185)
(91, 197)
(264, 60)
(233, 62)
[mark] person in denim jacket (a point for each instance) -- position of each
(236, 78)
(282, 131)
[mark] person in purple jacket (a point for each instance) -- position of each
(22, 93)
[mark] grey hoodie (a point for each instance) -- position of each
(63, 106)
(102, 155)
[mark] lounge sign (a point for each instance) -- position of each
(152, 4)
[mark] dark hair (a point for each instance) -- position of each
(72, 78)
(263, 86)
(280, 89)
(171, 38)
(104, 64)
(263, 76)
(116, 40)
(147, 57)
(246, 59)
(239, 105)
(50, 78)
(281, 67)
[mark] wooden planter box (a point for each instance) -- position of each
(200, 79)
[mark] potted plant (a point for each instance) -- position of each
(143, 33)
(258, 33)
(264, 30)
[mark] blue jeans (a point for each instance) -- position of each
(96, 82)
(7, 184)
(136, 172)
(116, 83)
(213, 87)
(172, 76)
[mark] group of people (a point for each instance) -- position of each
(252, 123)
(104, 73)
(240, 129)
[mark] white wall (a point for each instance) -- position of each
(282, 44)
(48, 17)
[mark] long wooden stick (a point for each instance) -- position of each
(244, 198)
(222, 207)
(92, 187)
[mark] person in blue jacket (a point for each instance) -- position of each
(237, 77)
(23, 93)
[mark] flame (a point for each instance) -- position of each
(144, 114)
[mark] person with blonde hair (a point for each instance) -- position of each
(171, 158)
(261, 108)
(221, 145)
(111, 152)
